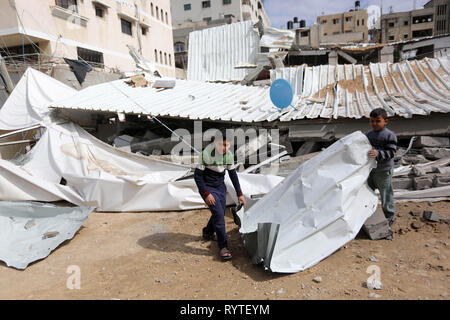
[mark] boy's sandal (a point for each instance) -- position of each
(225, 254)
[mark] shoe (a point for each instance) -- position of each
(225, 254)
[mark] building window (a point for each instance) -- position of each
(126, 27)
(162, 15)
(391, 24)
(357, 23)
(207, 19)
(90, 56)
(144, 31)
(391, 38)
(347, 19)
(151, 9)
(324, 21)
(170, 59)
(99, 11)
(362, 22)
(405, 36)
(179, 47)
(160, 57)
(226, 2)
(187, 7)
(157, 12)
(165, 58)
(67, 4)
(206, 4)
(325, 34)
(335, 21)
(405, 23)
(422, 19)
(156, 56)
(167, 18)
(304, 34)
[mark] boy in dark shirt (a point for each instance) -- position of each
(384, 143)
(209, 177)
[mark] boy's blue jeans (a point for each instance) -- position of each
(217, 221)
(382, 180)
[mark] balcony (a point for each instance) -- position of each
(69, 15)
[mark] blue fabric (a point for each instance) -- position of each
(217, 221)
(385, 142)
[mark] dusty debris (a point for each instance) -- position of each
(317, 279)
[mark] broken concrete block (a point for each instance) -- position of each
(307, 148)
(435, 153)
(442, 170)
(418, 171)
(441, 181)
(427, 141)
(377, 226)
(421, 183)
(414, 159)
(431, 216)
(402, 183)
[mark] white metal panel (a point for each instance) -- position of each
(214, 52)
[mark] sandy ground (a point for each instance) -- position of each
(161, 256)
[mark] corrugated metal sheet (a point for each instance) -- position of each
(214, 52)
(188, 99)
(293, 75)
(344, 91)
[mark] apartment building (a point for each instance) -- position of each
(191, 15)
(208, 10)
(403, 26)
(97, 31)
(441, 14)
(349, 26)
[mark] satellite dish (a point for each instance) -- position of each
(281, 94)
(374, 15)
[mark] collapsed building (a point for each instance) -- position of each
(72, 137)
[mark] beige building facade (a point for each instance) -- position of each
(97, 31)
(208, 10)
(352, 23)
(441, 15)
(403, 26)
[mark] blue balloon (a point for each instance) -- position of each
(281, 93)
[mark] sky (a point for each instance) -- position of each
(281, 11)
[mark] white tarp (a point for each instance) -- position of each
(277, 38)
(27, 104)
(316, 210)
(29, 231)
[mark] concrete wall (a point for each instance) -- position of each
(60, 31)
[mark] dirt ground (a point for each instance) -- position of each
(161, 256)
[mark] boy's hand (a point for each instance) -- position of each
(242, 200)
(373, 153)
(210, 201)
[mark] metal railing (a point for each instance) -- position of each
(38, 61)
